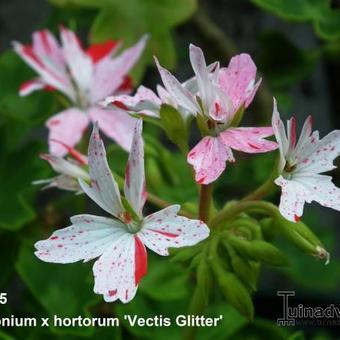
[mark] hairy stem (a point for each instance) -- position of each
(205, 202)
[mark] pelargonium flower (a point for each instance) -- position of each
(69, 170)
(301, 163)
(119, 241)
(222, 95)
(85, 77)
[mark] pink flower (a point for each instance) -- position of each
(119, 242)
(85, 77)
(301, 163)
(216, 96)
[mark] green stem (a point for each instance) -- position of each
(242, 206)
(267, 187)
(205, 202)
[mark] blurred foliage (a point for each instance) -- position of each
(130, 19)
(325, 20)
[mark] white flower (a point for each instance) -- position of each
(119, 241)
(301, 163)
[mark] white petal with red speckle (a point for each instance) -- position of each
(165, 229)
(118, 271)
(88, 237)
(103, 188)
(134, 187)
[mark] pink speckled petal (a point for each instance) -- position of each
(208, 158)
(68, 127)
(115, 123)
(165, 229)
(119, 270)
(103, 188)
(88, 237)
(30, 86)
(238, 80)
(250, 140)
(134, 187)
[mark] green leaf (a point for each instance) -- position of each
(175, 127)
(18, 169)
(165, 281)
(129, 20)
(326, 21)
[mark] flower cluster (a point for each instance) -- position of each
(96, 83)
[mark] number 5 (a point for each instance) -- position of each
(3, 298)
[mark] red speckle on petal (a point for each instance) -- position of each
(164, 233)
(119, 105)
(141, 260)
(54, 238)
(126, 85)
(297, 218)
(253, 146)
(201, 180)
(112, 292)
(54, 122)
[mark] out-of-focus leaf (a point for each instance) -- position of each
(175, 127)
(20, 114)
(282, 62)
(130, 19)
(64, 290)
(326, 21)
(18, 169)
(9, 246)
(231, 323)
(165, 280)
(5, 336)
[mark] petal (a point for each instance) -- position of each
(30, 86)
(62, 182)
(102, 50)
(238, 80)
(49, 73)
(320, 157)
(103, 189)
(208, 158)
(321, 189)
(46, 45)
(109, 73)
(180, 95)
(280, 135)
(68, 127)
(144, 101)
(205, 88)
(118, 271)
(134, 187)
(293, 198)
(65, 167)
(78, 62)
(116, 124)
(249, 140)
(88, 237)
(165, 229)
